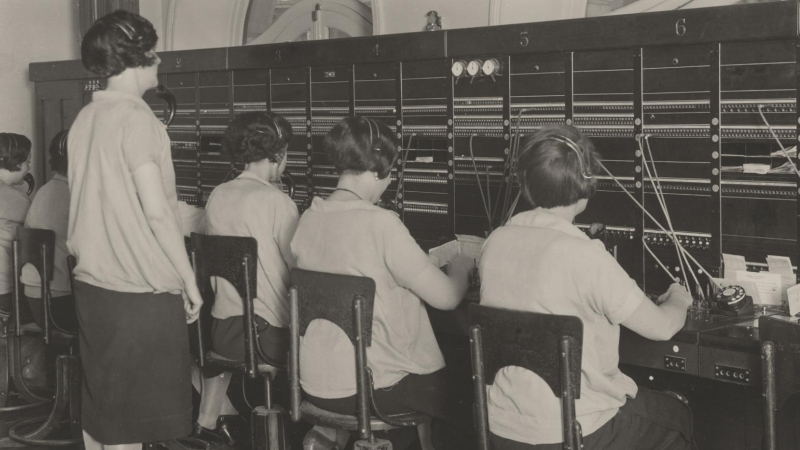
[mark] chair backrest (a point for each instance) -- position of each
(223, 256)
(780, 346)
(330, 297)
(346, 301)
(30, 250)
(528, 340)
(234, 259)
(546, 344)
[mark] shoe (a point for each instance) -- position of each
(233, 429)
(321, 438)
(211, 437)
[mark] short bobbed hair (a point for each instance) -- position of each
(14, 150)
(118, 41)
(254, 136)
(550, 171)
(358, 144)
(58, 152)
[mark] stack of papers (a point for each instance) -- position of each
(464, 245)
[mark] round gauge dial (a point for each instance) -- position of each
(491, 67)
(458, 68)
(474, 67)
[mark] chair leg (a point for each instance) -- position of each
(37, 437)
(5, 356)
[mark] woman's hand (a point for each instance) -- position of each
(192, 301)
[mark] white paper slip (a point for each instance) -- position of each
(782, 266)
(732, 264)
(794, 299)
(471, 246)
(444, 253)
(768, 286)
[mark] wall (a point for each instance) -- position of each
(31, 31)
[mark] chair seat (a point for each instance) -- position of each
(324, 418)
(231, 365)
(32, 329)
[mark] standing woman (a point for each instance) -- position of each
(15, 159)
(124, 229)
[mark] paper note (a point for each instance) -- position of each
(732, 264)
(471, 246)
(794, 299)
(444, 253)
(782, 266)
(767, 284)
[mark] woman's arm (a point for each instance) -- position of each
(660, 323)
(444, 291)
(162, 221)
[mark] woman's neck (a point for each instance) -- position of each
(351, 186)
(264, 169)
(126, 82)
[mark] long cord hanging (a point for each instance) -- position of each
(775, 136)
(513, 153)
(653, 255)
(480, 187)
(647, 213)
(662, 202)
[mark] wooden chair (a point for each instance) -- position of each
(36, 247)
(234, 259)
(780, 357)
(546, 344)
(346, 301)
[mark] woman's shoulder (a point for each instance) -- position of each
(15, 203)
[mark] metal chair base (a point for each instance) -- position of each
(267, 428)
(66, 403)
(379, 444)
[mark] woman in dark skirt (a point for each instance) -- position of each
(135, 288)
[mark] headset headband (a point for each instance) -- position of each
(571, 144)
(378, 132)
(277, 129)
(62, 144)
(126, 29)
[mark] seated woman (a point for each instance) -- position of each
(251, 205)
(347, 234)
(50, 211)
(541, 262)
(15, 159)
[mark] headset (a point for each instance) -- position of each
(377, 131)
(126, 29)
(277, 129)
(62, 145)
(571, 144)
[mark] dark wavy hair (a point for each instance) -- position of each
(358, 144)
(549, 169)
(253, 136)
(58, 152)
(118, 41)
(14, 150)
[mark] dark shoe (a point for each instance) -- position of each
(212, 437)
(235, 430)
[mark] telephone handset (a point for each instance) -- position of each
(165, 94)
(31, 181)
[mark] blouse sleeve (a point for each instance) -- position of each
(141, 140)
(403, 256)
